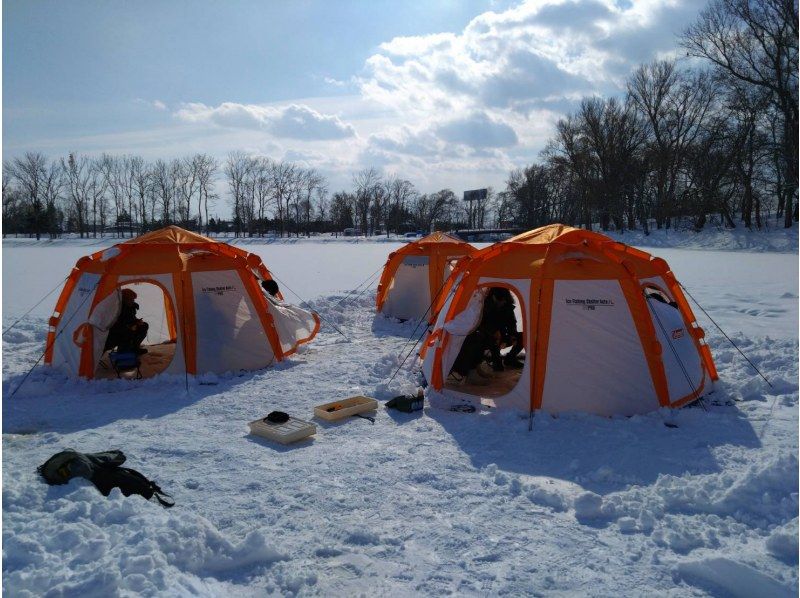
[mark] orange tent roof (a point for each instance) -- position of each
(439, 237)
(543, 234)
(170, 235)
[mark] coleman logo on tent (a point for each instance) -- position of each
(677, 333)
(590, 304)
(83, 292)
(220, 290)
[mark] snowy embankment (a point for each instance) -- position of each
(427, 503)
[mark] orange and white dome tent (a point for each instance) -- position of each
(606, 327)
(414, 275)
(206, 295)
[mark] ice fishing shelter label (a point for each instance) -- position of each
(589, 304)
(219, 290)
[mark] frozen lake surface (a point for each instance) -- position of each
(430, 503)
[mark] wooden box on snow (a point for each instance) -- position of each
(285, 433)
(345, 408)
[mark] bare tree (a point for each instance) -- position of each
(52, 190)
(164, 183)
(283, 184)
(141, 184)
(311, 181)
(674, 105)
(756, 43)
(367, 184)
(30, 172)
(237, 168)
(206, 168)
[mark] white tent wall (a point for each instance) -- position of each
(595, 359)
(66, 354)
(409, 295)
(679, 355)
(678, 341)
(165, 281)
(229, 332)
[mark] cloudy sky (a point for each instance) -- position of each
(446, 93)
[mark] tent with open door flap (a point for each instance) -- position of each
(414, 275)
(202, 299)
(606, 328)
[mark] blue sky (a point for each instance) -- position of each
(448, 94)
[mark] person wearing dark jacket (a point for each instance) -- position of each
(499, 324)
(128, 331)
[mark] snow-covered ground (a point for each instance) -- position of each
(430, 503)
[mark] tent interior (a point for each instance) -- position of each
(160, 342)
(504, 381)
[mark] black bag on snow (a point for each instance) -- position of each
(104, 471)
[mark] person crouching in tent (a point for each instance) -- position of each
(129, 331)
(497, 329)
(499, 324)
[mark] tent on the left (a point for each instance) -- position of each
(202, 299)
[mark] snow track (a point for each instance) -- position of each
(430, 503)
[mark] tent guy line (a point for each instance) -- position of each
(729, 339)
(307, 304)
(49, 345)
(38, 303)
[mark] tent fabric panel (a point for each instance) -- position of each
(689, 317)
(595, 360)
(102, 318)
(634, 293)
(542, 304)
(66, 354)
(231, 336)
(293, 324)
(58, 312)
(408, 295)
(682, 362)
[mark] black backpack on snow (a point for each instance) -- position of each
(104, 471)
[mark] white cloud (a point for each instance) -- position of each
(157, 104)
(539, 52)
(478, 131)
(452, 108)
(294, 121)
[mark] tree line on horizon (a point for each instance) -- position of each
(711, 137)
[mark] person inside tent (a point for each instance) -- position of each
(128, 331)
(467, 368)
(272, 291)
(499, 325)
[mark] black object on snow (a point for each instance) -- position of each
(104, 471)
(406, 404)
(277, 417)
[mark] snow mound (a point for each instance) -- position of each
(71, 540)
(732, 578)
(782, 543)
